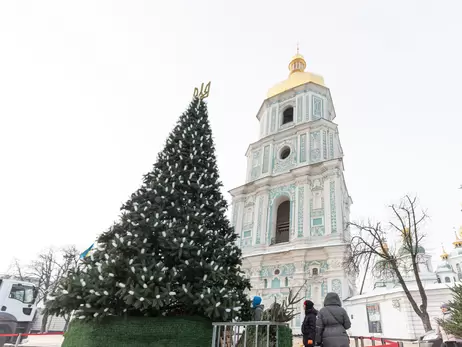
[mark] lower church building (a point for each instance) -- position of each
(292, 212)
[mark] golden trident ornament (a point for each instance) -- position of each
(203, 92)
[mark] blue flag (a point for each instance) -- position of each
(85, 252)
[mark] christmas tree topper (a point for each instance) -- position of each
(204, 92)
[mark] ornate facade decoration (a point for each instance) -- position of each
(333, 208)
(302, 148)
(259, 219)
(277, 270)
(317, 107)
(282, 165)
(256, 168)
(301, 199)
(324, 144)
(337, 287)
(315, 146)
(273, 118)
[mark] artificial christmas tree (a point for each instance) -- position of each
(173, 251)
(453, 325)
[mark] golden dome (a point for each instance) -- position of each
(297, 77)
(444, 255)
(458, 241)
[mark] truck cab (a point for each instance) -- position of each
(17, 303)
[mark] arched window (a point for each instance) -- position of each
(288, 115)
(286, 282)
(447, 280)
(439, 280)
(265, 284)
(283, 222)
(315, 271)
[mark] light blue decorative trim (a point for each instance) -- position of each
(302, 148)
(331, 145)
(337, 287)
(307, 107)
(322, 264)
(308, 292)
(265, 165)
(324, 144)
(324, 289)
(260, 216)
(273, 119)
(255, 173)
(333, 210)
(268, 121)
(285, 270)
(317, 221)
(317, 109)
(301, 199)
(275, 283)
(235, 211)
(299, 108)
(315, 144)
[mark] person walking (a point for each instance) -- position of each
(449, 340)
(332, 323)
(309, 324)
(257, 308)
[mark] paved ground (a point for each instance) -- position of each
(43, 341)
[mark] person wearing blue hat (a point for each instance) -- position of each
(257, 308)
(449, 340)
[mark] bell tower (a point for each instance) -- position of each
(292, 212)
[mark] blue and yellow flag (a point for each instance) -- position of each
(86, 252)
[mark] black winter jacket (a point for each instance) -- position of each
(309, 324)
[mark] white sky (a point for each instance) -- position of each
(89, 91)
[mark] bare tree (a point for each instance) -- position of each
(45, 272)
(369, 246)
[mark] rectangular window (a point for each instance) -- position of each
(247, 233)
(373, 319)
(24, 294)
(317, 222)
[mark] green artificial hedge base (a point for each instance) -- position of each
(141, 332)
(285, 337)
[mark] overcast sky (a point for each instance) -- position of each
(89, 91)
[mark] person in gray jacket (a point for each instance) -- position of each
(332, 323)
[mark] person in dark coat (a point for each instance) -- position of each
(332, 323)
(258, 308)
(309, 324)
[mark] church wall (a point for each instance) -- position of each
(395, 314)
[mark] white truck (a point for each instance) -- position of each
(17, 308)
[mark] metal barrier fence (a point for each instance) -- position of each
(388, 342)
(246, 334)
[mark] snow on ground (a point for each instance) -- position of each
(44, 341)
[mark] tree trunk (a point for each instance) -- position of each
(67, 319)
(44, 321)
(426, 321)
